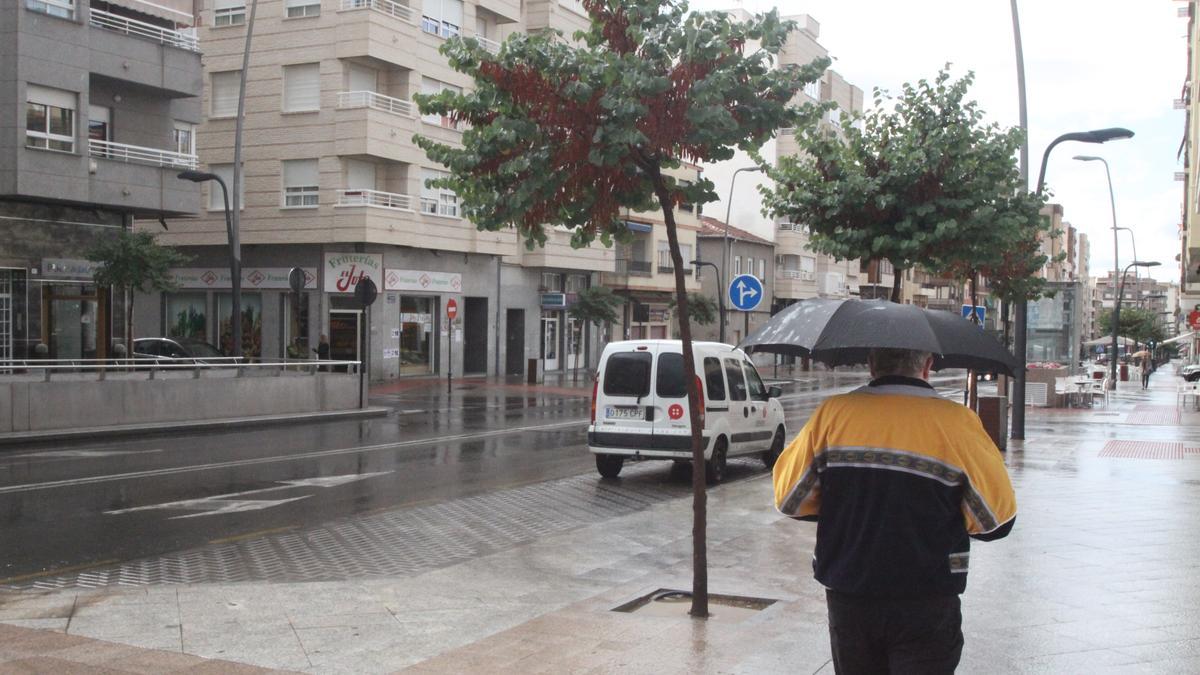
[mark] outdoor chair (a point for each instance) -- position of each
(1188, 390)
(1099, 388)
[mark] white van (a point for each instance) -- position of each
(640, 406)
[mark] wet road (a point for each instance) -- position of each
(65, 507)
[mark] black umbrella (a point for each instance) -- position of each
(840, 332)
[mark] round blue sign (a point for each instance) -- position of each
(745, 292)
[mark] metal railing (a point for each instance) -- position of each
(490, 45)
(141, 29)
(376, 101)
(122, 152)
(388, 7)
(383, 200)
(800, 275)
(640, 268)
(151, 366)
(791, 227)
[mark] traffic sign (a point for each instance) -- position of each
(365, 292)
(745, 292)
(451, 309)
(980, 312)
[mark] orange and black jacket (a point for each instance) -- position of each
(898, 480)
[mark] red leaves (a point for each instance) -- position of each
(615, 26)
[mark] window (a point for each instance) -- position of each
(808, 264)
(762, 268)
(737, 383)
(670, 382)
(185, 138)
(300, 183)
(429, 87)
(574, 5)
(758, 392)
(300, 8)
(216, 200)
(576, 283)
(813, 89)
(737, 265)
(360, 175)
(187, 316)
(628, 374)
(302, 87)
(442, 17)
(49, 119)
(99, 123)
(224, 93)
(437, 201)
(685, 205)
(714, 379)
(551, 281)
(229, 12)
(361, 78)
(60, 8)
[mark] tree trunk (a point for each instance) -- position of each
(972, 379)
(897, 282)
(699, 497)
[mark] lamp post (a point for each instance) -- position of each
(235, 255)
(1116, 244)
(1116, 317)
(1021, 338)
(720, 292)
(728, 208)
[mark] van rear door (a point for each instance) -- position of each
(624, 405)
(672, 424)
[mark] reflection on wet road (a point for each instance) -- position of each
(67, 506)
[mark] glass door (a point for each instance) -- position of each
(416, 335)
(574, 343)
(550, 341)
(345, 335)
(6, 315)
(74, 322)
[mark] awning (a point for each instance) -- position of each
(179, 11)
(639, 227)
(1178, 338)
(1107, 340)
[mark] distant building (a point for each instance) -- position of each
(748, 254)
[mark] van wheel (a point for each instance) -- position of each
(714, 469)
(772, 455)
(609, 466)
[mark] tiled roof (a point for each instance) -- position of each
(711, 227)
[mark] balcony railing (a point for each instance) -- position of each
(375, 101)
(637, 268)
(791, 227)
(490, 45)
(797, 275)
(670, 269)
(148, 31)
(388, 7)
(139, 155)
(375, 198)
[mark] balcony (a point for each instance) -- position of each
(791, 239)
(368, 123)
(795, 275)
(146, 31)
(141, 179)
(634, 268)
(558, 253)
(380, 29)
(509, 10)
(122, 152)
(375, 198)
(795, 284)
(490, 45)
(374, 216)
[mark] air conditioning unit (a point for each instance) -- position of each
(831, 283)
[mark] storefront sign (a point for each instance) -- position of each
(344, 270)
(252, 277)
(427, 282)
(68, 268)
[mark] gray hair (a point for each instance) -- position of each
(905, 362)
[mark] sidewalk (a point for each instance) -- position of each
(1101, 574)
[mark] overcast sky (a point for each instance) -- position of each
(1088, 64)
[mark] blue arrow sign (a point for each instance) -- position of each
(745, 292)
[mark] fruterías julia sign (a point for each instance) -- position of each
(344, 270)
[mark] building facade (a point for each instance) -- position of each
(99, 105)
(748, 254)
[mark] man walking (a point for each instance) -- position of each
(898, 480)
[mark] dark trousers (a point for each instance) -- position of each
(884, 635)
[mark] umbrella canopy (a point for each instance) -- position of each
(1107, 340)
(1140, 354)
(840, 332)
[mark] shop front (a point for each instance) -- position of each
(419, 296)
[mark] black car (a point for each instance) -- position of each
(166, 349)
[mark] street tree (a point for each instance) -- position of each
(572, 134)
(1137, 324)
(921, 179)
(701, 308)
(595, 305)
(134, 263)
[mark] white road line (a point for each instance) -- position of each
(151, 473)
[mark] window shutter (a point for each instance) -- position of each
(225, 93)
(227, 4)
(452, 12)
(47, 96)
(362, 78)
(300, 173)
(360, 175)
(302, 87)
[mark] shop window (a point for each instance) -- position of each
(416, 335)
(187, 316)
(251, 323)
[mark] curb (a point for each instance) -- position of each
(151, 428)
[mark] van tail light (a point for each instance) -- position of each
(595, 390)
(700, 399)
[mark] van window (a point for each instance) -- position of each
(737, 383)
(714, 379)
(671, 382)
(758, 392)
(628, 374)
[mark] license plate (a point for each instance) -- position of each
(624, 413)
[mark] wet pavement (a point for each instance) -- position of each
(518, 573)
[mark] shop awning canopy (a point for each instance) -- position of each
(1178, 338)
(1107, 340)
(639, 227)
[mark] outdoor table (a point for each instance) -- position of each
(1082, 396)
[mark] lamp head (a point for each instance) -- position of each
(1088, 158)
(1110, 134)
(1145, 263)
(195, 176)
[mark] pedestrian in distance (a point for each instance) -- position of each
(898, 480)
(322, 349)
(1147, 368)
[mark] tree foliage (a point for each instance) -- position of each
(921, 179)
(574, 133)
(1137, 324)
(703, 309)
(135, 263)
(596, 305)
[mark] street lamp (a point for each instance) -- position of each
(1021, 338)
(1116, 317)
(235, 255)
(728, 208)
(720, 292)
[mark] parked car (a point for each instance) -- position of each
(639, 407)
(167, 349)
(1190, 373)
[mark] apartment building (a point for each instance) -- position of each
(1189, 226)
(98, 109)
(748, 253)
(334, 184)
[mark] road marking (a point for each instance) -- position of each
(228, 503)
(57, 571)
(273, 459)
(80, 454)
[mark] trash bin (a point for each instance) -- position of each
(993, 412)
(1124, 374)
(534, 374)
